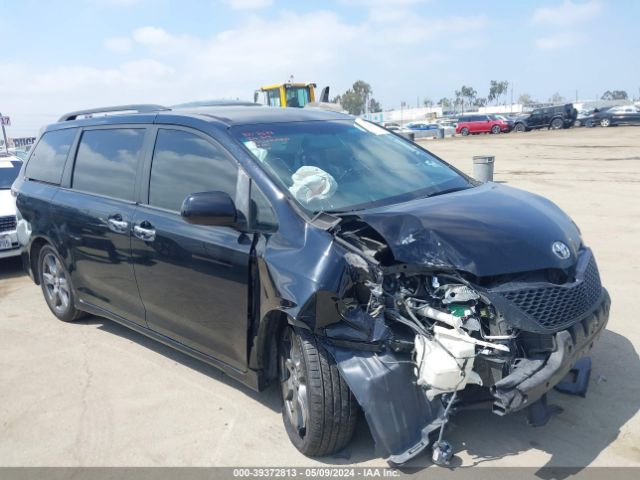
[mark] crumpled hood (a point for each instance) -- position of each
(487, 230)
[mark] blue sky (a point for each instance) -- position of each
(61, 55)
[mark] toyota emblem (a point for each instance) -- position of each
(560, 250)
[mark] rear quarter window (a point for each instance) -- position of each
(48, 159)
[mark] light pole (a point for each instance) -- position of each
(4, 135)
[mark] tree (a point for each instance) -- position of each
(427, 102)
(615, 95)
(352, 102)
(525, 99)
(497, 89)
(355, 99)
(459, 101)
(465, 93)
(480, 102)
(444, 103)
(374, 106)
(362, 88)
(556, 98)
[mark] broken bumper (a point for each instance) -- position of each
(534, 377)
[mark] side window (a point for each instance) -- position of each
(107, 161)
(185, 163)
(263, 216)
(48, 159)
(273, 97)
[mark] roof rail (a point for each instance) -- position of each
(138, 108)
(216, 103)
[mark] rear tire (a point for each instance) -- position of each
(519, 128)
(56, 286)
(556, 124)
(319, 411)
(464, 131)
(495, 129)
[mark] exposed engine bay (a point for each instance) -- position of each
(451, 333)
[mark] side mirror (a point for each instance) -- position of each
(209, 208)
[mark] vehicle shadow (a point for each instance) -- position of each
(571, 439)
(270, 398)
(360, 449)
(11, 268)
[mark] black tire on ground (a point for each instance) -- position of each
(495, 129)
(56, 286)
(519, 127)
(320, 414)
(464, 131)
(556, 124)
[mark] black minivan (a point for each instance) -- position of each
(315, 250)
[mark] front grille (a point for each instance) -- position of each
(7, 223)
(545, 307)
(557, 306)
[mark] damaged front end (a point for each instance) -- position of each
(415, 341)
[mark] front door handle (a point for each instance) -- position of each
(144, 232)
(116, 224)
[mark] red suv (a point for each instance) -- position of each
(483, 124)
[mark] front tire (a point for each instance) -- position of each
(605, 122)
(495, 129)
(56, 285)
(464, 131)
(519, 128)
(319, 411)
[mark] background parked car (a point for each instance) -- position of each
(421, 126)
(622, 115)
(554, 118)
(393, 126)
(585, 118)
(9, 168)
(482, 123)
(19, 152)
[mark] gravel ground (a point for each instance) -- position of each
(96, 394)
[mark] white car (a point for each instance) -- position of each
(9, 168)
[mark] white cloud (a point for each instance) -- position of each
(171, 67)
(560, 41)
(248, 4)
(152, 36)
(118, 44)
(567, 13)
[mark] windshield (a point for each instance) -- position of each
(8, 172)
(346, 165)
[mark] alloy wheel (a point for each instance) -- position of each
(294, 383)
(56, 284)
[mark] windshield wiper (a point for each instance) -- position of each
(448, 190)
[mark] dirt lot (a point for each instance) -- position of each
(94, 393)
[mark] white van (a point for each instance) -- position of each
(9, 168)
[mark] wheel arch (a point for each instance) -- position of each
(264, 352)
(34, 254)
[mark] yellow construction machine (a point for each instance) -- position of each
(289, 94)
